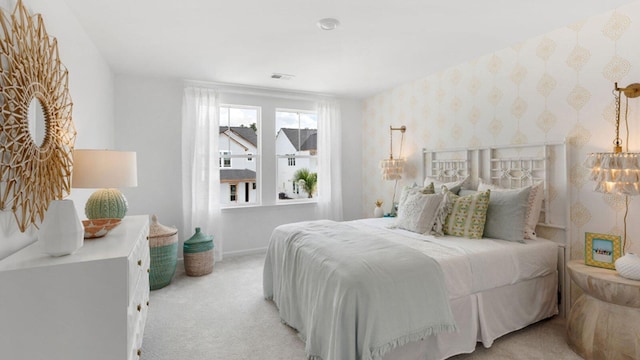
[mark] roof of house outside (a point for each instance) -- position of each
(307, 140)
(227, 175)
(311, 143)
(245, 132)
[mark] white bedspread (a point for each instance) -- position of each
(351, 293)
(474, 265)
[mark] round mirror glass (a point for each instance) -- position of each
(37, 121)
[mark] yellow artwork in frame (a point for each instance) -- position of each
(601, 250)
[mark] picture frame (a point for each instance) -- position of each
(601, 250)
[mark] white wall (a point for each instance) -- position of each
(148, 116)
(90, 79)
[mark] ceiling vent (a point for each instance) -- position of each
(280, 76)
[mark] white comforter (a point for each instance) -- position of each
(471, 265)
(352, 294)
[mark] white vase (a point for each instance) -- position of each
(378, 212)
(628, 266)
(61, 230)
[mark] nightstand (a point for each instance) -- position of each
(604, 323)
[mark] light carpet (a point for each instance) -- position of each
(224, 316)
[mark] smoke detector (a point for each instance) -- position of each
(328, 23)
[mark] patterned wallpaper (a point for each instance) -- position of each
(555, 86)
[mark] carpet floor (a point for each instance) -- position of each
(224, 316)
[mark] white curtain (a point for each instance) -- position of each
(200, 168)
(329, 160)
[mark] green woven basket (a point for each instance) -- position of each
(163, 265)
(163, 249)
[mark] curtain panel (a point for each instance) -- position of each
(329, 160)
(200, 168)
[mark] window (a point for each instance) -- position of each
(233, 190)
(239, 151)
(225, 160)
(296, 154)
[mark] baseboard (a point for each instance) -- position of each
(244, 252)
(232, 254)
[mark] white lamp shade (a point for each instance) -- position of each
(96, 169)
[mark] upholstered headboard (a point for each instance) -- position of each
(515, 166)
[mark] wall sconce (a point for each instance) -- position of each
(105, 170)
(391, 168)
(618, 173)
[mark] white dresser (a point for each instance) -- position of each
(91, 305)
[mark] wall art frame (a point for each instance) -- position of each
(32, 174)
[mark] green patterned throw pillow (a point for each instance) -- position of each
(468, 215)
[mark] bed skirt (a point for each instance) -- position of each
(485, 316)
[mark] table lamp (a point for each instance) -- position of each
(105, 170)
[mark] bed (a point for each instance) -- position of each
(365, 289)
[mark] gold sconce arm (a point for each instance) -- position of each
(631, 91)
(402, 129)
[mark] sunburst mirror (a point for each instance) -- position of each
(37, 134)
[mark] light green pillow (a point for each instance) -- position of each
(507, 214)
(468, 215)
(453, 186)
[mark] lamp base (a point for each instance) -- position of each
(106, 203)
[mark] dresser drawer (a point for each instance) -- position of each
(139, 263)
(137, 313)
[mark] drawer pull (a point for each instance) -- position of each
(147, 303)
(139, 352)
(147, 238)
(148, 271)
(139, 307)
(139, 262)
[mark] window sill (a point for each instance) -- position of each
(277, 204)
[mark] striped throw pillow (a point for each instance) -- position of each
(468, 215)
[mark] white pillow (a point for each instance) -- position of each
(409, 189)
(453, 186)
(534, 205)
(418, 212)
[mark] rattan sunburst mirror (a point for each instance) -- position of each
(32, 172)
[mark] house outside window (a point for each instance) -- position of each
(239, 151)
(225, 160)
(233, 191)
(296, 150)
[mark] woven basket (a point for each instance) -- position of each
(163, 249)
(199, 264)
(198, 254)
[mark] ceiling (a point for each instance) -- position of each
(380, 43)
